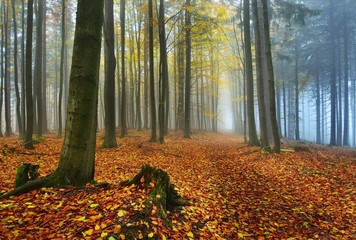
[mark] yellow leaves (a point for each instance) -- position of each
(150, 235)
(93, 205)
(81, 219)
(121, 213)
(190, 235)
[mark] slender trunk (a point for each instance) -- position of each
(188, 45)
(44, 71)
(61, 69)
(109, 84)
(152, 87)
(163, 73)
(16, 73)
(296, 88)
(29, 102)
(253, 140)
(123, 77)
(346, 79)
(259, 76)
(271, 87)
(39, 67)
(332, 80)
(8, 130)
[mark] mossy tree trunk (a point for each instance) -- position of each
(163, 193)
(76, 165)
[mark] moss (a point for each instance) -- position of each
(163, 194)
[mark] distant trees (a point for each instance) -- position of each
(185, 58)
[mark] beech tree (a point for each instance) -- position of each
(76, 164)
(109, 84)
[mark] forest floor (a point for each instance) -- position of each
(234, 192)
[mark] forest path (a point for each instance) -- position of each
(234, 191)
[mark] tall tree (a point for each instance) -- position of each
(152, 82)
(7, 85)
(333, 93)
(259, 75)
(123, 75)
(346, 77)
(28, 143)
(61, 68)
(16, 72)
(39, 66)
(109, 84)
(271, 87)
(188, 70)
(163, 73)
(76, 164)
(253, 140)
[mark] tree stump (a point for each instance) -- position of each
(26, 172)
(160, 190)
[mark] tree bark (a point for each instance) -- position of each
(109, 84)
(259, 76)
(38, 66)
(163, 193)
(76, 164)
(16, 73)
(29, 101)
(253, 140)
(188, 70)
(152, 82)
(123, 76)
(61, 69)
(271, 87)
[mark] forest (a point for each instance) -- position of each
(172, 119)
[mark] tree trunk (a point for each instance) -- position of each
(44, 71)
(109, 84)
(123, 76)
(253, 140)
(61, 69)
(29, 101)
(259, 76)
(332, 80)
(7, 86)
(188, 70)
(152, 82)
(16, 73)
(163, 73)
(271, 87)
(346, 79)
(76, 164)
(38, 66)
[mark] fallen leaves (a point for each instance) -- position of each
(235, 192)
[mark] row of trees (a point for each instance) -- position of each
(164, 63)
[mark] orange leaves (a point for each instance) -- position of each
(234, 192)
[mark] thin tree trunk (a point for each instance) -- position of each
(29, 102)
(152, 87)
(259, 76)
(271, 87)
(332, 80)
(109, 84)
(253, 140)
(123, 77)
(188, 45)
(39, 67)
(8, 130)
(61, 69)
(16, 73)
(346, 79)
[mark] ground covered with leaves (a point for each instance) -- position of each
(234, 191)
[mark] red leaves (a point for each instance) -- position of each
(235, 192)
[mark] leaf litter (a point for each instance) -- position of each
(234, 191)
